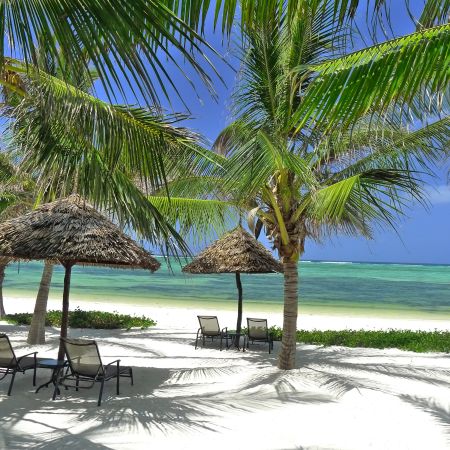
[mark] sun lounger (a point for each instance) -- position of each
(10, 364)
(258, 331)
(209, 328)
(86, 367)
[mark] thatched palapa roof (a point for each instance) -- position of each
(236, 251)
(71, 231)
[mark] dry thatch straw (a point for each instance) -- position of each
(236, 251)
(71, 231)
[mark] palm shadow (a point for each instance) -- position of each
(192, 393)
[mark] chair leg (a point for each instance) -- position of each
(77, 382)
(117, 384)
(101, 393)
(196, 340)
(12, 382)
(34, 374)
(131, 376)
(55, 391)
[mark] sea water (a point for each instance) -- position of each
(365, 287)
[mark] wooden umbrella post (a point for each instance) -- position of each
(239, 316)
(65, 307)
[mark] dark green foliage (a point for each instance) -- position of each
(416, 341)
(86, 319)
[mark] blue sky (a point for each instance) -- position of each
(421, 237)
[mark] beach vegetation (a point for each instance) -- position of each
(104, 150)
(86, 319)
(415, 341)
(324, 141)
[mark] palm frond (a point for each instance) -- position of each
(66, 168)
(372, 79)
(140, 139)
(355, 204)
(434, 12)
(269, 88)
(259, 160)
(127, 41)
(197, 220)
(260, 11)
(421, 150)
(111, 154)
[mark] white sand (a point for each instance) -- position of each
(184, 398)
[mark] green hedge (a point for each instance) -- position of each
(416, 341)
(86, 319)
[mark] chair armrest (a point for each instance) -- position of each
(226, 330)
(117, 361)
(24, 356)
(28, 354)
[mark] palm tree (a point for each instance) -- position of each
(127, 47)
(106, 164)
(17, 197)
(81, 78)
(16, 191)
(36, 333)
(312, 155)
(307, 164)
(134, 35)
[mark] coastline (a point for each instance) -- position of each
(181, 315)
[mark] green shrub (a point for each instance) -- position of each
(86, 319)
(416, 341)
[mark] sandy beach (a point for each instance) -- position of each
(337, 398)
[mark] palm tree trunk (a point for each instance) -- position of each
(2, 277)
(36, 334)
(286, 359)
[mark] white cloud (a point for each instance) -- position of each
(439, 194)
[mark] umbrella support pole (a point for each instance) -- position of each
(239, 317)
(65, 308)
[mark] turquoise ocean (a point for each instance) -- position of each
(365, 288)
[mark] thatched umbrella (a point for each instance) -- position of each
(235, 252)
(70, 231)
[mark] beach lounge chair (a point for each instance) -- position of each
(11, 364)
(258, 331)
(209, 327)
(86, 367)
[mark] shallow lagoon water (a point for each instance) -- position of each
(417, 290)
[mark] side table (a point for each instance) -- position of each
(55, 365)
(235, 338)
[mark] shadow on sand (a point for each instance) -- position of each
(190, 391)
